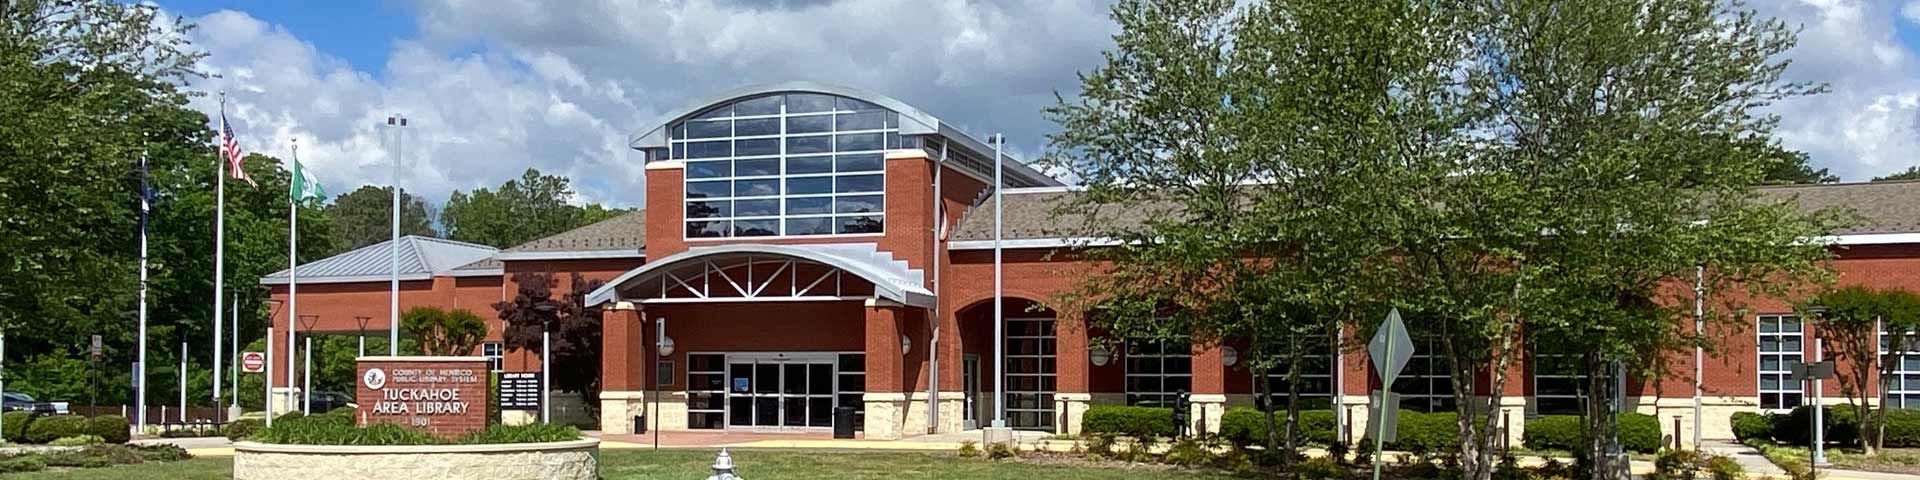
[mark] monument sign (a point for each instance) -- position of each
(446, 396)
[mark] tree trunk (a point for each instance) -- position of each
(1293, 404)
(1601, 422)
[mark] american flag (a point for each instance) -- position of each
(230, 148)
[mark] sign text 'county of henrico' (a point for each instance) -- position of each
(446, 396)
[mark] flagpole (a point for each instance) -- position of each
(396, 123)
(140, 377)
(293, 272)
(219, 245)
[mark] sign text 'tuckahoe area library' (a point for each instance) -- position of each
(446, 396)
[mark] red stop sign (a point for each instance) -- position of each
(253, 362)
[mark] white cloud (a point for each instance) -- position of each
(1865, 125)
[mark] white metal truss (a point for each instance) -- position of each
(754, 278)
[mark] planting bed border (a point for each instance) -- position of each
(573, 459)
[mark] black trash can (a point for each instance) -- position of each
(843, 422)
(640, 423)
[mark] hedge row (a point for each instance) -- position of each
(1130, 421)
(24, 427)
(1842, 427)
(1638, 432)
(1417, 431)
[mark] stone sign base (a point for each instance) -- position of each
(576, 459)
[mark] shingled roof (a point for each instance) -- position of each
(1883, 207)
(621, 236)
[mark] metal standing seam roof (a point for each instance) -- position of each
(626, 233)
(420, 258)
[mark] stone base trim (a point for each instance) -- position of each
(577, 459)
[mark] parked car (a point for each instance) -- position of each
(16, 401)
(324, 401)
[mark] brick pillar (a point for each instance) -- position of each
(1209, 396)
(886, 398)
(1072, 396)
(622, 366)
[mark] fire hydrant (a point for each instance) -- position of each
(723, 467)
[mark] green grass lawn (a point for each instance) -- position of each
(693, 464)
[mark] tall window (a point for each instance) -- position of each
(786, 164)
(1158, 371)
(1426, 385)
(1559, 381)
(1780, 349)
(1316, 375)
(706, 390)
(1903, 386)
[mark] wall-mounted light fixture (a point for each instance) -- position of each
(906, 345)
(1100, 355)
(1229, 356)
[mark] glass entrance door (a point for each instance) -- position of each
(780, 392)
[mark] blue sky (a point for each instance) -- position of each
(496, 86)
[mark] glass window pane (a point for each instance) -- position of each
(805, 165)
(859, 121)
(756, 126)
(758, 146)
(861, 162)
(756, 228)
(767, 105)
(722, 111)
(806, 145)
(859, 204)
(857, 142)
(709, 209)
(809, 205)
(757, 167)
(708, 229)
(855, 104)
(809, 185)
(750, 188)
(709, 169)
(809, 102)
(857, 183)
(809, 226)
(756, 208)
(810, 124)
(861, 224)
(721, 188)
(709, 128)
(716, 149)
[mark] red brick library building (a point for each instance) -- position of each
(811, 246)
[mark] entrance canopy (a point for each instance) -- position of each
(759, 272)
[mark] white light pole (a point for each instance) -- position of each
(140, 363)
(1819, 418)
(183, 381)
(268, 404)
(1699, 353)
(546, 371)
(234, 373)
(999, 320)
(398, 124)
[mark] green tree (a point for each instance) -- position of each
(575, 329)
(1911, 173)
(444, 332)
(365, 217)
(521, 210)
(1851, 320)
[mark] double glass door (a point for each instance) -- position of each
(797, 391)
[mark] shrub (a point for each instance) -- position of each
(1552, 432)
(312, 431)
(1100, 446)
(1796, 427)
(16, 426)
(1751, 426)
(239, 429)
(999, 450)
(1137, 422)
(529, 433)
(1723, 467)
(50, 428)
(1903, 428)
(1189, 452)
(160, 452)
(77, 441)
(1638, 432)
(1246, 426)
(1427, 432)
(1322, 468)
(969, 449)
(110, 428)
(1676, 465)
(23, 463)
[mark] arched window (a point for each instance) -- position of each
(786, 164)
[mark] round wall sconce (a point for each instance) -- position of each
(666, 346)
(1100, 355)
(1229, 356)
(906, 345)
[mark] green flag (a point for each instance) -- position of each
(304, 186)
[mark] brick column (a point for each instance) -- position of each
(886, 398)
(1209, 396)
(622, 364)
(1071, 396)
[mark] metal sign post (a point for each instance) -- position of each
(1390, 349)
(1816, 371)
